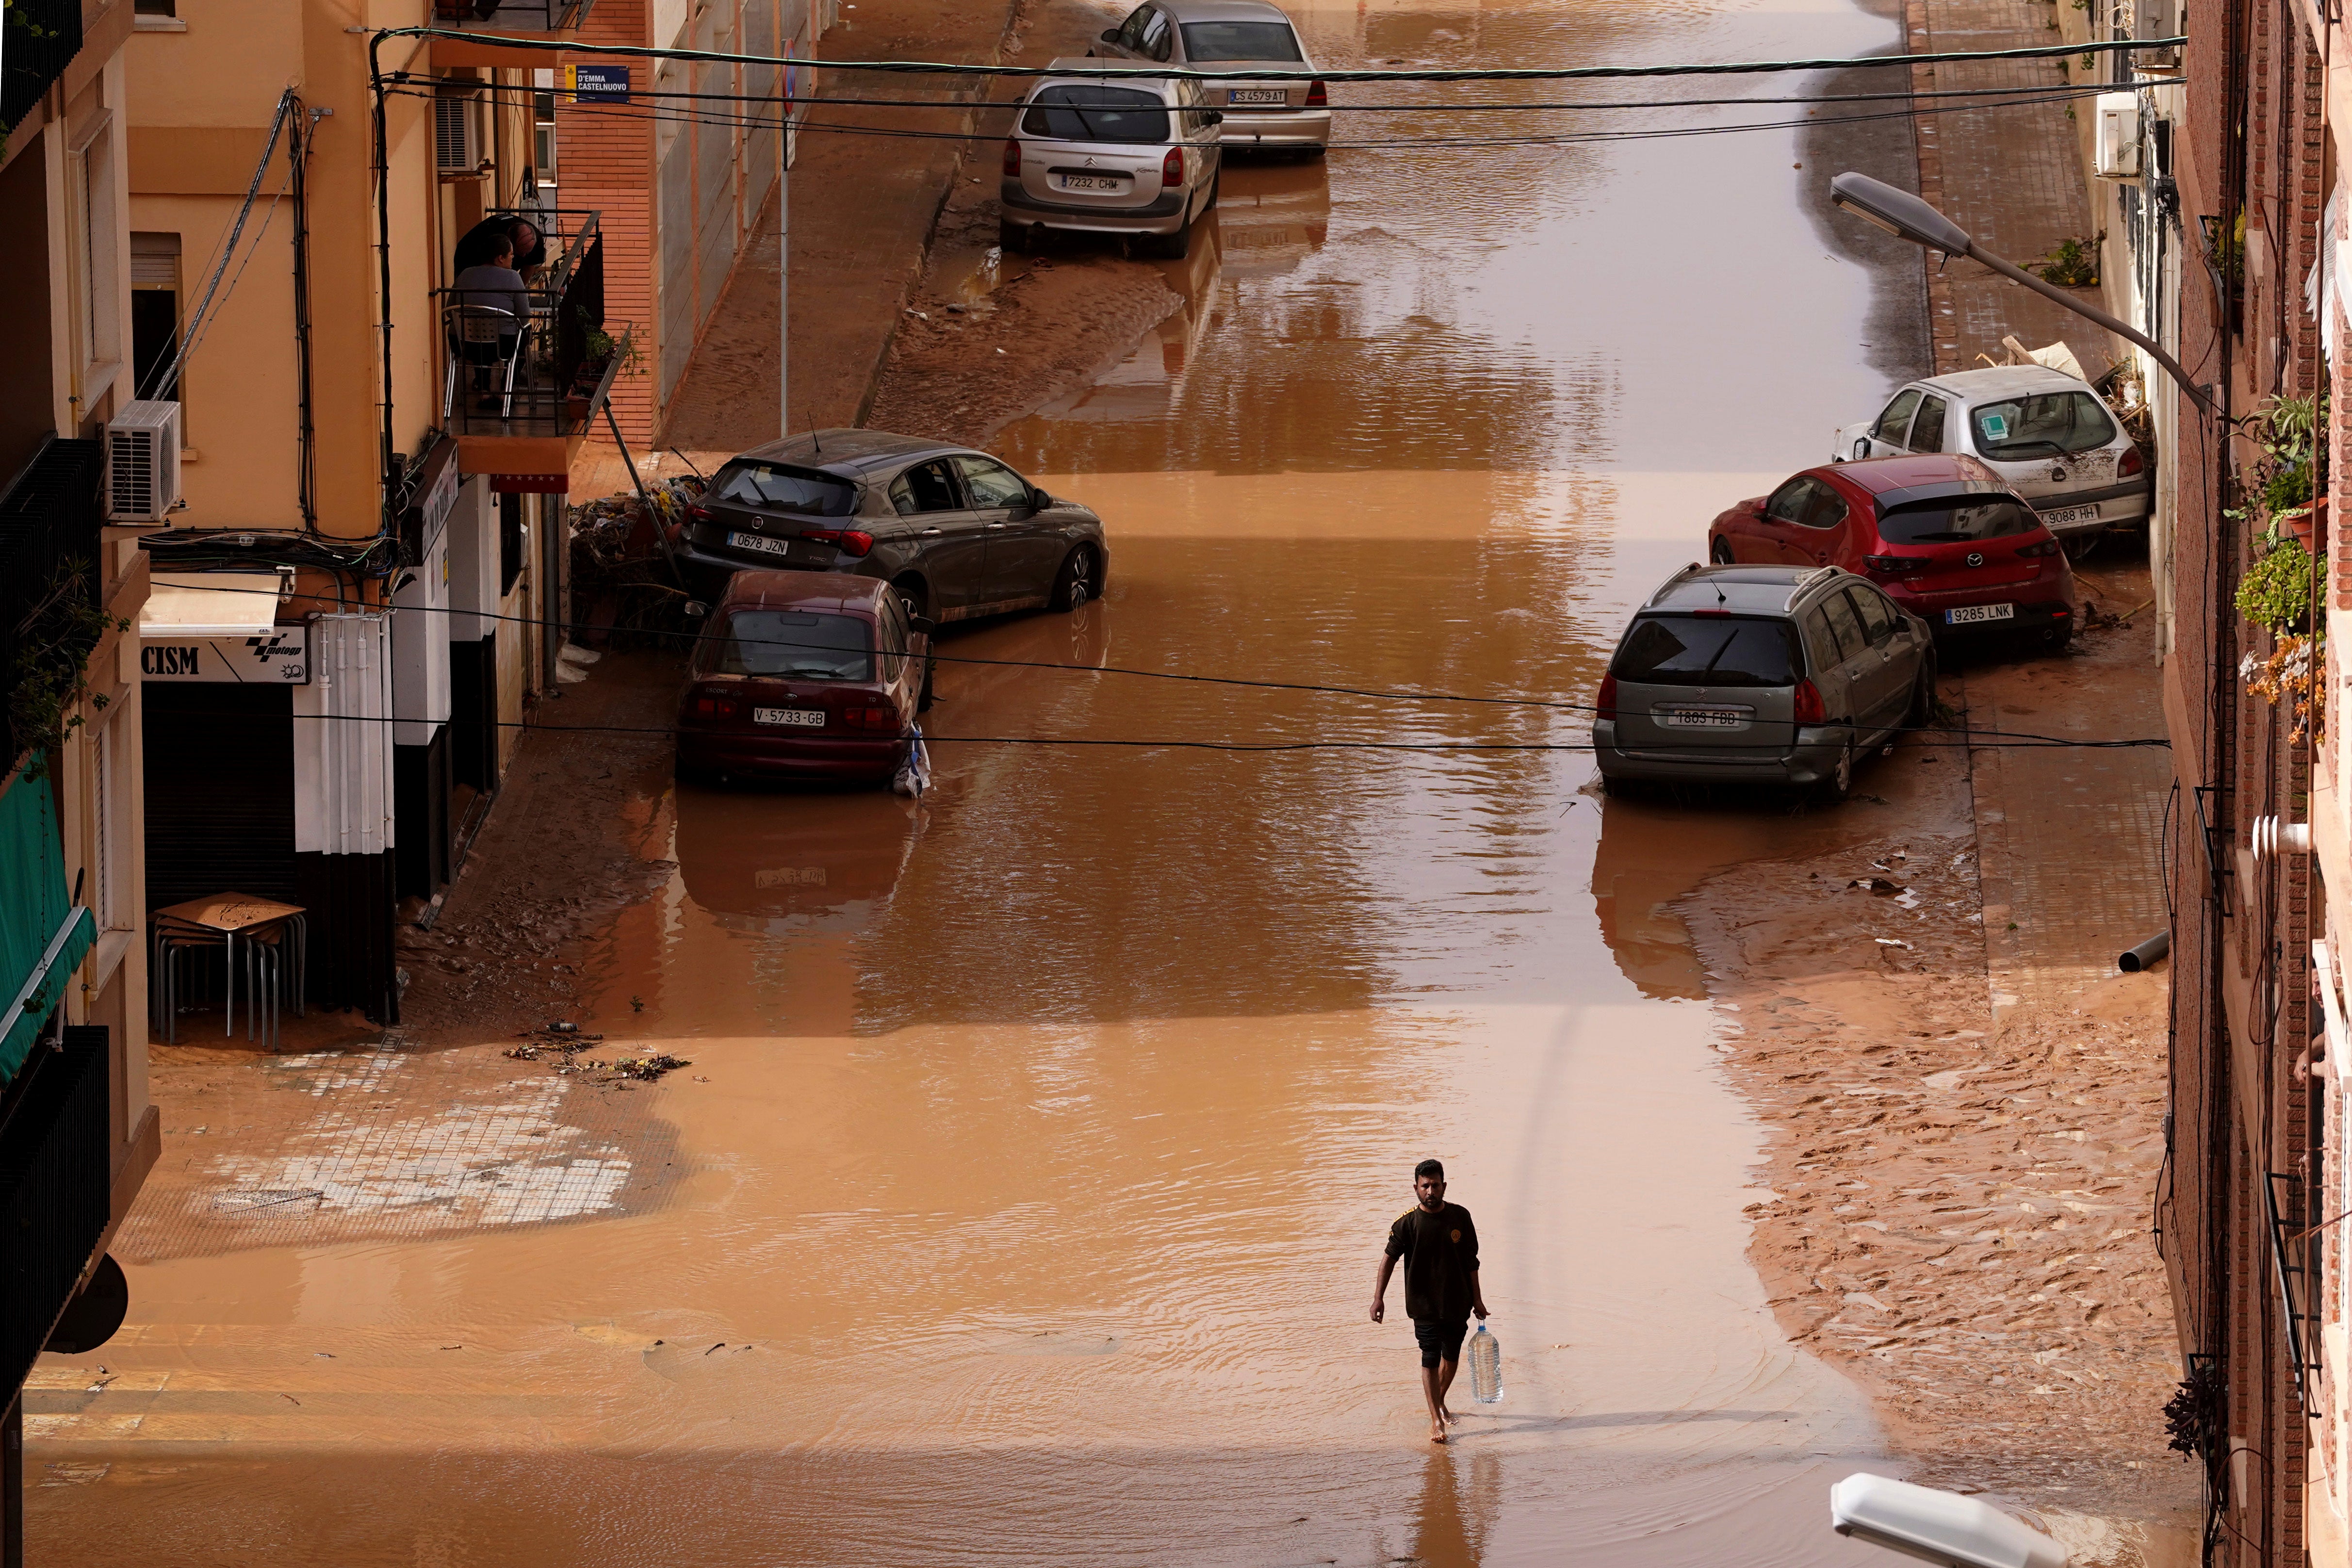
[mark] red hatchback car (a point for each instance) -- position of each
(804, 675)
(1942, 535)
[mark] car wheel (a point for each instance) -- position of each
(2079, 546)
(1171, 246)
(1012, 238)
(1720, 552)
(1840, 783)
(1210, 206)
(1922, 694)
(1079, 579)
(914, 596)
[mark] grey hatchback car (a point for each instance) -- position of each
(1096, 155)
(1775, 675)
(960, 535)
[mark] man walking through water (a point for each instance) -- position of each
(1440, 1248)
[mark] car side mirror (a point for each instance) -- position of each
(694, 610)
(1214, 117)
(1110, 35)
(922, 626)
(1039, 498)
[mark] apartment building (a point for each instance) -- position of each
(359, 564)
(77, 1134)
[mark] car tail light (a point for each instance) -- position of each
(1809, 708)
(1895, 566)
(715, 705)
(1171, 168)
(1607, 703)
(2047, 547)
(700, 514)
(1012, 157)
(2130, 464)
(1317, 95)
(870, 718)
(849, 540)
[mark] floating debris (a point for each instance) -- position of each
(1877, 885)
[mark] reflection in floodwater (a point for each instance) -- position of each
(777, 863)
(1458, 1509)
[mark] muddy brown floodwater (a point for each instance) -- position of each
(1023, 1197)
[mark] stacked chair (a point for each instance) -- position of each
(272, 955)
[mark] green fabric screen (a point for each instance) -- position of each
(42, 936)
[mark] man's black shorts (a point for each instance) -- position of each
(1439, 1340)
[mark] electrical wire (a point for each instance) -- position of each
(577, 49)
(1376, 693)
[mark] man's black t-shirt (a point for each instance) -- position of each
(1441, 1262)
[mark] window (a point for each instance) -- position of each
(925, 488)
(1130, 32)
(1241, 41)
(543, 119)
(2051, 425)
(1927, 430)
(1708, 650)
(1894, 425)
(1955, 519)
(1877, 620)
(793, 490)
(992, 484)
(1844, 625)
(1159, 38)
(894, 633)
(1097, 114)
(1806, 501)
(156, 317)
(792, 645)
(94, 187)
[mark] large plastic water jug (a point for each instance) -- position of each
(1485, 1367)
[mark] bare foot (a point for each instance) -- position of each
(1450, 1417)
(1437, 1431)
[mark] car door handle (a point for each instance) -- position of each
(994, 526)
(928, 532)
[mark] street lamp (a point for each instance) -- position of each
(1905, 217)
(1936, 1526)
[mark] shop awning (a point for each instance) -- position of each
(212, 604)
(43, 935)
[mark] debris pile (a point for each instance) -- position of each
(561, 1045)
(619, 569)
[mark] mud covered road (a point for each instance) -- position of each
(1022, 1197)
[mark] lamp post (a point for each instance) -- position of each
(1905, 215)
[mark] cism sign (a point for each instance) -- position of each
(282, 659)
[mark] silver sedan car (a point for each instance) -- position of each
(1770, 675)
(1110, 155)
(1234, 35)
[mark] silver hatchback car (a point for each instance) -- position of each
(1241, 36)
(1774, 675)
(1096, 155)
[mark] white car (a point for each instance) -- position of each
(1243, 36)
(1136, 155)
(2043, 431)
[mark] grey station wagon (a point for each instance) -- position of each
(958, 533)
(1775, 675)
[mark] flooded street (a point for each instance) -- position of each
(1022, 1198)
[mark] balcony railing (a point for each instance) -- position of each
(547, 375)
(37, 39)
(510, 15)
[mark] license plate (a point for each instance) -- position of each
(1968, 614)
(2067, 516)
(1256, 95)
(805, 718)
(1093, 182)
(760, 542)
(1702, 718)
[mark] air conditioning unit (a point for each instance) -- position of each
(456, 148)
(142, 462)
(2118, 154)
(2156, 19)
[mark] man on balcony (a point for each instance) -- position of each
(492, 285)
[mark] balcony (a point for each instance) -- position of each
(542, 379)
(50, 520)
(38, 38)
(510, 15)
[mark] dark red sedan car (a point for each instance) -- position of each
(1942, 535)
(804, 675)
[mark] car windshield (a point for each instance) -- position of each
(1957, 519)
(794, 644)
(1097, 114)
(1241, 41)
(2045, 426)
(1708, 650)
(793, 489)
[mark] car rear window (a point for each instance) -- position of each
(796, 645)
(1951, 521)
(1708, 650)
(1097, 114)
(793, 489)
(2047, 425)
(1241, 41)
